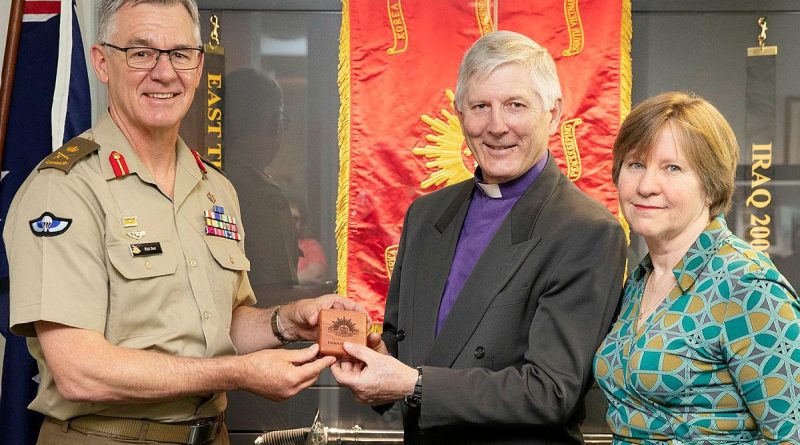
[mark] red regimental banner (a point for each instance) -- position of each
(398, 131)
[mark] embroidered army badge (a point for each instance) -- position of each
(220, 224)
(49, 225)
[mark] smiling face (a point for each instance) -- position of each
(661, 194)
(148, 100)
(504, 123)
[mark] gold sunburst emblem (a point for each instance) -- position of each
(451, 161)
(343, 327)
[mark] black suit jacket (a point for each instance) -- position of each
(513, 361)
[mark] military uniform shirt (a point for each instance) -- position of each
(718, 362)
(178, 302)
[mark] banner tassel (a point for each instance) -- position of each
(343, 194)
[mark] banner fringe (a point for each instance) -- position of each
(625, 85)
(343, 194)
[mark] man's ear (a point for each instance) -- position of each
(555, 116)
(99, 62)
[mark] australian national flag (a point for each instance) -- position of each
(50, 104)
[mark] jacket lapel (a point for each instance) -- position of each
(513, 243)
(434, 264)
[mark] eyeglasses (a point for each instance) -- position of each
(145, 58)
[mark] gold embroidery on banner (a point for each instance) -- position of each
(452, 161)
(214, 119)
(484, 16)
(571, 153)
(390, 256)
(573, 18)
(398, 24)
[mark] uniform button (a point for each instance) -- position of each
(193, 263)
(233, 260)
(147, 265)
(206, 315)
(480, 352)
(401, 334)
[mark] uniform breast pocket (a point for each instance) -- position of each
(143, 290)
(226, 270)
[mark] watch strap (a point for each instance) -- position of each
(414, 400)
(276, 328)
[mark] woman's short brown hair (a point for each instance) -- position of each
(703, 133)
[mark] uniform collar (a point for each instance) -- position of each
(696, 258)
(111, 139)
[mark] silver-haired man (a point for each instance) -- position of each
(504, 286)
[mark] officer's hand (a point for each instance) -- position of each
(299, 320)
(278, 374)
(379, 379)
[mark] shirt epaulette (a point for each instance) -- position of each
(68, 154)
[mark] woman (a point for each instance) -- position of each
(705, 349)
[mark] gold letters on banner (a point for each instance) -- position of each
(760, 197)
(398, 24)
(214, 69)
(390, 256)
(573, 18)
(214, 116)
(571, 153)
(482, 14)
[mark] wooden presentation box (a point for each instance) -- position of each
(338, 326)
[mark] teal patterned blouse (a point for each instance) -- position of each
(718, 362)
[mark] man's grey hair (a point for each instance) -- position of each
(107, 11)
(500, 48)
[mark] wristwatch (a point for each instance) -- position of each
(414, 400)
(276, 326)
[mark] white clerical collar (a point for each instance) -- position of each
(491, 190)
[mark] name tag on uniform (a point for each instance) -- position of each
(145, 249)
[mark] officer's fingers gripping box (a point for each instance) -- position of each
(338, 326)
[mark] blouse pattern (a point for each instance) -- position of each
(719, 359)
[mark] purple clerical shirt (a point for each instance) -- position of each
(488, 208)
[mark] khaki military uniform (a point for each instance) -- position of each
(84, 273)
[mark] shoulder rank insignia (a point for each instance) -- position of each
(49, 225)
(201, 161)
(66, 156)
